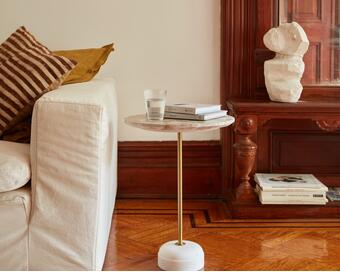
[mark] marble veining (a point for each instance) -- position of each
(175, 125)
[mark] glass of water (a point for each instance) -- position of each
(155, 103)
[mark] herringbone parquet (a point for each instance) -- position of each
(139, 227)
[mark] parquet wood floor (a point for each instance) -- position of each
(139, 227)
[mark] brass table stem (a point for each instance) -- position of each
(180, 188)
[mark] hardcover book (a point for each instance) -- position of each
(291, 195)
(294, 182)
(192, 108)
(198, 117)
(302, 197)
(293, 202)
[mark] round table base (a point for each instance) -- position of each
(173, 257)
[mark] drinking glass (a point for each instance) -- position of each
(155, 103)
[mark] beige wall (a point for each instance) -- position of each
(172, 44)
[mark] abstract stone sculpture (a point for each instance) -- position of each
(284, 72)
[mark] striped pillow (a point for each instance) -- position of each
(27, 71)
(24, 39)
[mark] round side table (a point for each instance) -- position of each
(181, 254)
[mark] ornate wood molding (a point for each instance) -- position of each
(243, 24)
(328, 125)
(246, 125)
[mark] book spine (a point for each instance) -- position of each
(273, 196)
(295, 190)
(180, 110)
(184, 117)
(292, 203)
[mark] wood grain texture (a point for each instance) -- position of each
(290, 138)
(243, 24)
(238, 36)
(238, 18)
(149, 169)
(244, 156)
(139, 228)
(317, 17)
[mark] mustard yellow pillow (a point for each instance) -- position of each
(89, 62)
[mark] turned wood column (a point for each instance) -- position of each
(244, 156)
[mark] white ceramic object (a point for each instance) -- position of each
(188, 257)
(284, 72)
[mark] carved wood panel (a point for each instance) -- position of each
(243, 24)
(322, 60)
(305, 152)
(306, 11)
(312, 61)
(317, 19)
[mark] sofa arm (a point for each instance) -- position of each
(74, 178)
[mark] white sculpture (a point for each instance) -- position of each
(283, 73)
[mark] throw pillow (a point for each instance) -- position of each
(15, 169)
(24, 38)
(20, 133)
(89, 62)
(27, 71)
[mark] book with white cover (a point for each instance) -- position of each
(291, 196)
(192, 108)
(198, 117)
(293, 202)
(287, 182)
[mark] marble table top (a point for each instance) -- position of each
(175, 125)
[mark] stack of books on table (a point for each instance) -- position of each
(199, 112)
(294, 189)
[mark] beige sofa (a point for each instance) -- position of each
(62, 221)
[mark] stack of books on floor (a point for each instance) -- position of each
(198, 112)
(333, 194)
(293, 189)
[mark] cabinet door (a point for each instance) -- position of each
(318, 18)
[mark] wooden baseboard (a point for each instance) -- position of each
(149, 169)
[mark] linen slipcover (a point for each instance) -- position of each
(74, 181)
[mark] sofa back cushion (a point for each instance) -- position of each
(15, 170)
(27, 71)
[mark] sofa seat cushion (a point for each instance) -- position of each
(15, 169)
(14, 217)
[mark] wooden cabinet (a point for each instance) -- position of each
(278, 137)
(283, 138)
